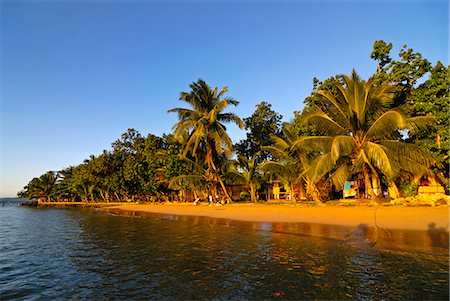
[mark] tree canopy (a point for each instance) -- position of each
(388, 129)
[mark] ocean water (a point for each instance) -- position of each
(48, 254)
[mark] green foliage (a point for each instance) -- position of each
(431, 98)
(42, 188)
(201, 127)
(315, 100)
(260, 126)
(407, 189)
(403, 73)
(357, 134)
(392, 128)
(289, 163)
(422, 200)
(129, 171)
(380, 53)
(244, 196)
(247, 172)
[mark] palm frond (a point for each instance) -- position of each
(313, 143)
(378, 157)
(336, 103)
(362, 159)
(408, 150)
(414, 167)
(340, 176)
(324, 124)
(279, 143)
(420, 123)
(386, 124)
(321, 166)
(192, 180)
(231, 117)
(341, 146)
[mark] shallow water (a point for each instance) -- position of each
(87, 254)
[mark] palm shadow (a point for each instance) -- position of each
(439, 236)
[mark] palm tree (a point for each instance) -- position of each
(199, 180)
(359, 133)
(44, 186)
(84, 189)
(247, 172)
(202, 125)
(290, 162)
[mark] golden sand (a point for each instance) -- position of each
(405, 218)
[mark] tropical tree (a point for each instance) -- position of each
(358, 134)
(200, 180)
(248, 173)
(431, 97)
(404, 73)
(289, 163)
(202, 125)
(84, 189)
(263, 123)
(42, 188)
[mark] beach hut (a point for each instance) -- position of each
(429, 185)
(351, 189)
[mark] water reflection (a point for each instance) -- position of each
(350, 263)
(83, 254)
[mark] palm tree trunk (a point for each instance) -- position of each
(312, 190)
(393, 190)
(227, 196)
(376, 185)
(253, 194)
(302, 190)
(229, 200)
(368, 183)
(291, 193)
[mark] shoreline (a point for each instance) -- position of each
(70, 204)
(398, 218)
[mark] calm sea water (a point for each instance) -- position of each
(51, 254)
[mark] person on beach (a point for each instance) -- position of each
(210, 200)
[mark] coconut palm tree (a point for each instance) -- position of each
(290, 162)
(84, 189)
(359, 133)
(247, 172)
(202, 125)
(42, 187)
(202, 182)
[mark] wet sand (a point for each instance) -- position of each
(403, 218)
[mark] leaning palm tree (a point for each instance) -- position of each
(359, 133)
(202, 125)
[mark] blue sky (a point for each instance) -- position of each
(75, 75)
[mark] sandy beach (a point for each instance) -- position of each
(404, 218)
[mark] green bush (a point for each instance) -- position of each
(245, 196)
(432, 200)
(407, 189)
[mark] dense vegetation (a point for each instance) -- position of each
(387, 131)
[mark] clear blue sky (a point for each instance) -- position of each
(75, 75)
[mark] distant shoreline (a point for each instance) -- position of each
(73, 204)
